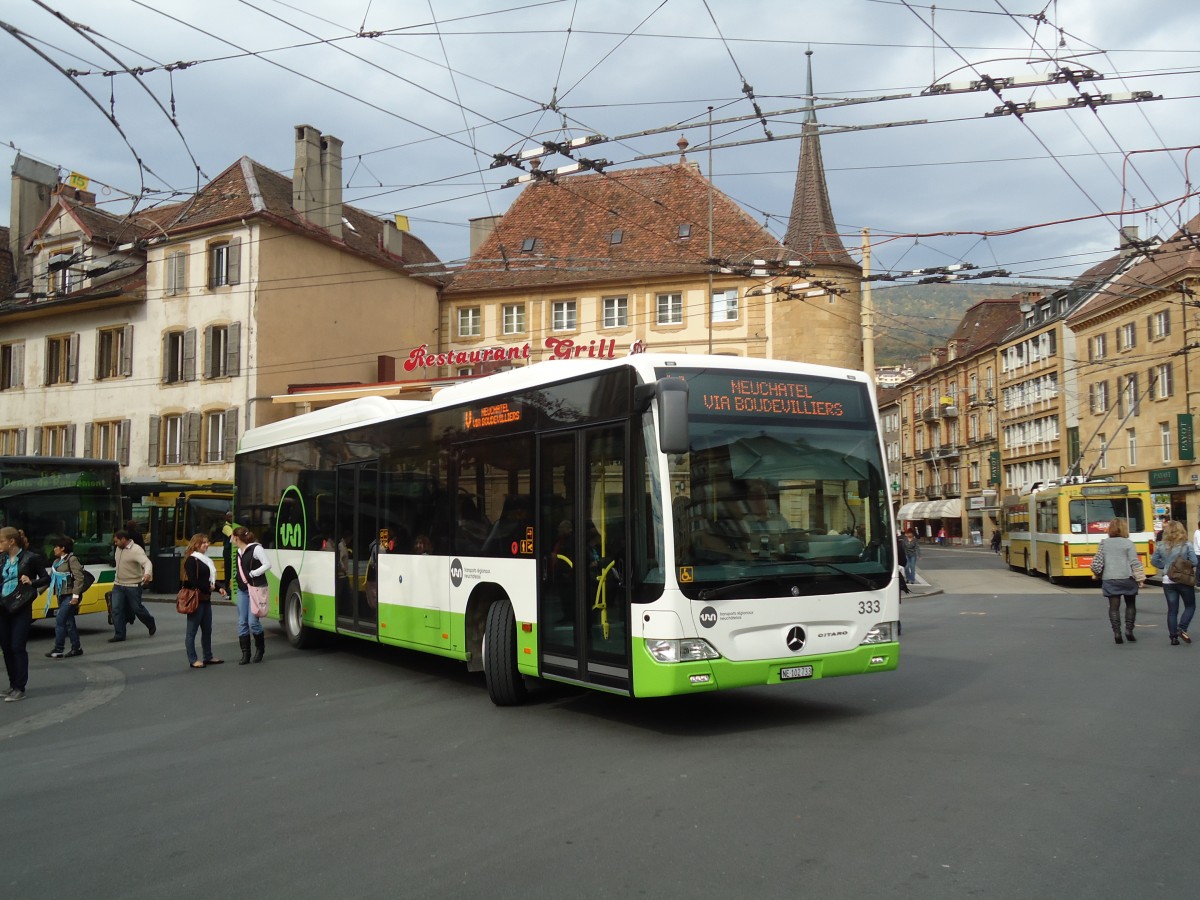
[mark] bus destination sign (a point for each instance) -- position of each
(490, 416)
(780, 397)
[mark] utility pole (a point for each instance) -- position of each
(708, 302)
(868, 307)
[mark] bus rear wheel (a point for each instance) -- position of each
(505, 685)
(298, 634)
(1050, 576)
(1028, 568)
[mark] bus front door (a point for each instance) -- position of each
(356, 530)
(583, 606)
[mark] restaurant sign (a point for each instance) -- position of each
(560, 348)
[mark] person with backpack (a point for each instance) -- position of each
(69, 580)
(24, 576)
(250, 568)
(1176, 559)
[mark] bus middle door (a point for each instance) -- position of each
(356, 529)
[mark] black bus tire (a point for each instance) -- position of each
(505, 685)
(299, 635)
(1050, 576)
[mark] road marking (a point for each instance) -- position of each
(104, 683)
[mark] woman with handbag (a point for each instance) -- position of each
(251, 569)
(1175, 545)
(24, 577)
(200, 574)
(1121, 573)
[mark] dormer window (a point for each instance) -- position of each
(63, 279)
(528, 244)
(617, 236)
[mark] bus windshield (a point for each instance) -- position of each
(783, 479)
(50, 498)
(1092, 515)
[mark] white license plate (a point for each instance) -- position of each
(795, 672)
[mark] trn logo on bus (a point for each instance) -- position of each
(291, 535)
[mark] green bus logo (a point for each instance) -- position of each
(291, 535)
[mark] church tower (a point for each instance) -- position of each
(824, 329)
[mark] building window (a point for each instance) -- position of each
(1164, 431)
(563, 316)
(1161, 385)
(685, 231)
(1131, 443)
(1103, 462)
(1127, 337)
(616, 312)
(224, 263)
(113, 356)
(1160, 325)
(172, 440)
(1099, 346)
(63, 277)
(214, 437)
(725, 305)
(62, 354)
(174, 357)
(528, 244)
(470, 321)
(12, 365)
(10, 442)
(513, 318)
(617, 236)
(55, 441)
(670, 309)
(106, 440)
(176, 271)
(1099, 392)
(1129, 395)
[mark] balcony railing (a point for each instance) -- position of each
(950, 491)
(973, 485)
(933, 492)
(932, 414)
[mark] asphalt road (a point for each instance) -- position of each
(1017, 752)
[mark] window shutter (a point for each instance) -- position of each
(99, 367)
(235, 260)
(18, 362)
(127, 351)
(1132, 335)
(1170, 386)
(69, 441)
(37, 442)
(88, 428)
(191, 438)
(1150, 327)
(208, 352)
(73, 359)
(231, 434)
(233, 349)
(21, 433)
(189, 355)
(1091, 349)
(123, 430)
(166, 357)
(1166, 323)
(155, 430)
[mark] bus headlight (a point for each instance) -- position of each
(681, 650)
(880, 633)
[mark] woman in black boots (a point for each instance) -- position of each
(250, 569)
(1121, 573)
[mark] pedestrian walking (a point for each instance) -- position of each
(996, 542)
(23, 578)
(941, 538)
(912, 552)
(67, 580)
(250, 569)
(1175, 545)
(1196, 541)
(200, 573)
(134, 571)
(1121, 573)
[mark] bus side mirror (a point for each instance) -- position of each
(671, 395)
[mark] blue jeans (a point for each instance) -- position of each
(14, 634)
(64, 625)
(910, 570)
(247, 621)
(1174, 593)
(201, 619)
(125, 596)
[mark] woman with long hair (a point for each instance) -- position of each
(1175, 544)
(250, 567)
(23, 575)
(1116, 564)
(200, 573)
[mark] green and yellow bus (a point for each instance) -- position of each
(170, 512)
(49, 497)
(649, 526)
(1055, 530)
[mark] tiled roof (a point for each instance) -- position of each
(985, 323)
(571, 223)
(811, 231)
(247, 189)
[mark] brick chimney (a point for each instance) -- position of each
(331, 177)
(33, 184)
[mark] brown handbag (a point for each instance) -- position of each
(187, 601)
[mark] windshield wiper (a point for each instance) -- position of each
(713, 593)
(853, 576)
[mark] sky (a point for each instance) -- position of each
(425, 93)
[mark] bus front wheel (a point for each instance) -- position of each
(298, 634)
(505, 685)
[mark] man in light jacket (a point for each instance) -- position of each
(134, 571)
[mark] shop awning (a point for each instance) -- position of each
(931, 509)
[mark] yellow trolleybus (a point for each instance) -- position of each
(1055, 530)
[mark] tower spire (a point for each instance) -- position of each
(811, 232)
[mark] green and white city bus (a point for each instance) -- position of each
(649, 526)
